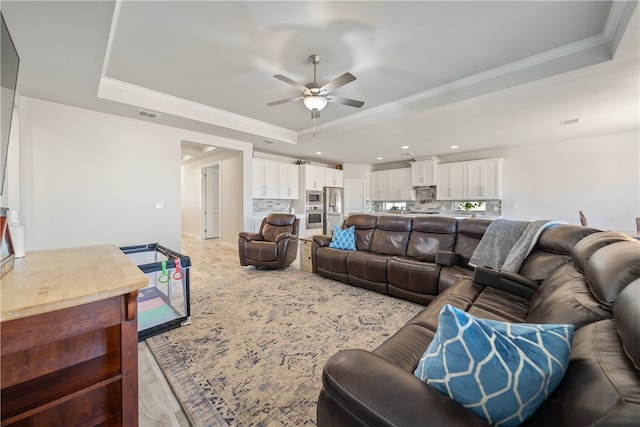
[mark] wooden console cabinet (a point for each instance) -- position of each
(69, 354)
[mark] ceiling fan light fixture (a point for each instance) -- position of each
(315, 102)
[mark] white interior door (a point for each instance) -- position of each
(211, 202)
(353, 196)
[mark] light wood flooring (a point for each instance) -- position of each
(158, 406)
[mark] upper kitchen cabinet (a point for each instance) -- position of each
(333, 177)
(380, 185)
(474, 180)
(451, 183)
(392, 185)
(275, 180)
(265, 179)
(423, 172)
(400, 185)
(484, 179)
(313, 177)
(288, 181)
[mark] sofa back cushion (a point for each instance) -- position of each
(391, 235)
(276, 224)
(611, 268)
(470, 232)
(364, 226)
(583, 250)
(569, 296)
(429, 235)
(553, 249)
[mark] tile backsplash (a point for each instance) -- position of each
(271, 205)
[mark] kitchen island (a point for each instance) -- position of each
(69, 352)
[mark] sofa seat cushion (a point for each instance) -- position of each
(332, 263)
(405, 347)
(414, 276)
(451, 275)
(368, 270)
(501, 372)
(262, 251)
(496, 304)
(368, 265)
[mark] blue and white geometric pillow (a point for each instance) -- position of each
(343, 239)
(501, 372)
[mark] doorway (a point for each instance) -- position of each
(210, 202)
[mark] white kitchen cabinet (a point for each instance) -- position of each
(473, 180)
(392, 185)
(484, 179)
(313, 177)
(400, 187)
(265, 179)
(333, 177)
(275, 180)
(288, 181)
(423, 172)
(451, 181)
(380, 185)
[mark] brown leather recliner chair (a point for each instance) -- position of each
(274, 246)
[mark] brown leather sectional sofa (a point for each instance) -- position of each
(574, 275)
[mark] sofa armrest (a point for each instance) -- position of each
(249, 236)
(505, 281)
(447, 258)
(376, 392)
(283, 236)
(322, 239)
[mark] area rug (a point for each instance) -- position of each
(254, 353)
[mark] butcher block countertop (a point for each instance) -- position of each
(45, 281)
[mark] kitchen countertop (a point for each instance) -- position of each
(419, 214)
(44, 281)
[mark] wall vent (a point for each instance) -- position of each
(570, 122)
(266, 141)
(148, 114)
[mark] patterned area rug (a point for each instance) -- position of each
(254, 353)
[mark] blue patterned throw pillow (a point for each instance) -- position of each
(502, 372)
(343, 239)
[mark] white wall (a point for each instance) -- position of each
(92, 178)
(598, 175)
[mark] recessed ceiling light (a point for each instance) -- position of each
(453, 147)
(378, 158)
(571, 121)
(318, 152)
(405, 147)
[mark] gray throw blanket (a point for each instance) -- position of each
(507, 242)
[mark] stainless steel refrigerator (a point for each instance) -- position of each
(333, 208)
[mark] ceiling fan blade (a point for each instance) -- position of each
(345, 101)
(337, 82)
(315, 114)
(293, 83)
(284, 101)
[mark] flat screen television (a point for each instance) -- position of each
(9, 63)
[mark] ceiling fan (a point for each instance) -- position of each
(314, 96)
